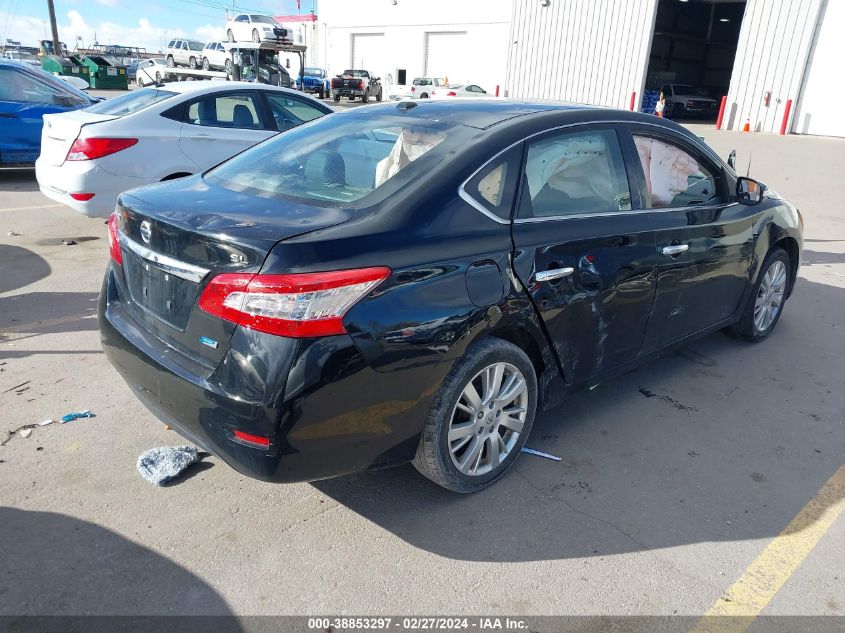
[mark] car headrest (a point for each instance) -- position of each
(326, 166)
(242, 117)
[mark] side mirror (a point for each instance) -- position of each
(732, 159)
(749, 191)
(65, 100)
(376, 78)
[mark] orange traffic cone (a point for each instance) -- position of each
(747, 126)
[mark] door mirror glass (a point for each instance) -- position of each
(749, 191)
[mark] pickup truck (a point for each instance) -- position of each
(356, 83)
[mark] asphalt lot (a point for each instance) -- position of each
(658, 507)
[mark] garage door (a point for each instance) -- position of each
(446, 56)
(368, 52)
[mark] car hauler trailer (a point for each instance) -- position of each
(250, 62)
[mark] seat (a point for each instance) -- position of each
(242, 117)
(325, 166)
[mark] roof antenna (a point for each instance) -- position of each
(406, 105)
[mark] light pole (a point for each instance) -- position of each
(57, 47)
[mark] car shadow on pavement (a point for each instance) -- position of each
(18, 180)
(711, 443)
(20, 267)
(54, 564)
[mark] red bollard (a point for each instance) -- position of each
(786, 112)
(633, 99)
(721, 112)
(497, 90)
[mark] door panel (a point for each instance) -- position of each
(575, 224)
(704, 239)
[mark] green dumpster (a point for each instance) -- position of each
(70, 66)
(106, 74)
(83, 69)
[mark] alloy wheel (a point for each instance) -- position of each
(487, 419)
(770, 296)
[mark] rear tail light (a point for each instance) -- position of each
(257, 441)
(361, 84)
(82, 197)
(91, 148)
(296, 305)
(413, 88)
(689, 104)
(114, 240)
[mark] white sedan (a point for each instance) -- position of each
(150, 71)
(459, 90)
(88, 157)
(249, 27)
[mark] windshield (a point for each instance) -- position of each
(338, 159)
(689, 90)
(263, 19)
(131, 102)
(314, 72)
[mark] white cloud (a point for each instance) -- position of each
(107, 3)
(30, 30)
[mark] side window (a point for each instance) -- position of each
(18, 87)
(673, 177)
(289, 112)
(170, 44)
(231, 111)
(241, 18)
(576, 173)
(494, 186)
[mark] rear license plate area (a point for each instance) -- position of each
(163, 295)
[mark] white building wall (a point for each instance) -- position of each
(821, 101)
(477, 40)
(582, 51)
(772, 53)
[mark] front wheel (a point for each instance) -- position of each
(205, 64)
(192, 63)
(765, 304)
(337, 98)
(378, 96)
(366, 97)
(158, 77)
(230, 36)
(228, 66)
(140, 81)
(255, 36)
(171, 63)
(322, 93)
(480, 418)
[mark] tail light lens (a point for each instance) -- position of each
(91, 148)
(82, 197)
(114, 240)
(297, 305)
(413, 88)
(361, 84)
(256, 441)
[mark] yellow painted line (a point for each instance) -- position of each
(736, 610)
(38, 206)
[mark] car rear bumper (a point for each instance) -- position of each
(57, 182)
(345, 92)
(316, 400)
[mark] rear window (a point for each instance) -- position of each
(338, 159)
(130, 102)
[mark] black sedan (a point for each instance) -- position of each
(415, 281)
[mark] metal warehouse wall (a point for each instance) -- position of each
(772, 52)
(584, 51)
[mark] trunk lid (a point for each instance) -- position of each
(177, 235)
(61, 130)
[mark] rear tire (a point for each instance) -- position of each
(499, 379)
(230, 36)
(378, 96)
(322, 94)
(158, 77)
(765, 304)
(228, 66)
(205, 64)
(336, 98)
(255, 36)
(140, 81)
(192, 63)
(170, 62)
(424, 95)
(365, 98)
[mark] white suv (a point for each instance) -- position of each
(215, 56)
(249, 27)
(184, 53)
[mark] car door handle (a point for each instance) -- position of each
(202, 137)
(675, 249)
(552, 274)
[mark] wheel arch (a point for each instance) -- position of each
(790, 245)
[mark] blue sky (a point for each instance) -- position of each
(146, 23)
